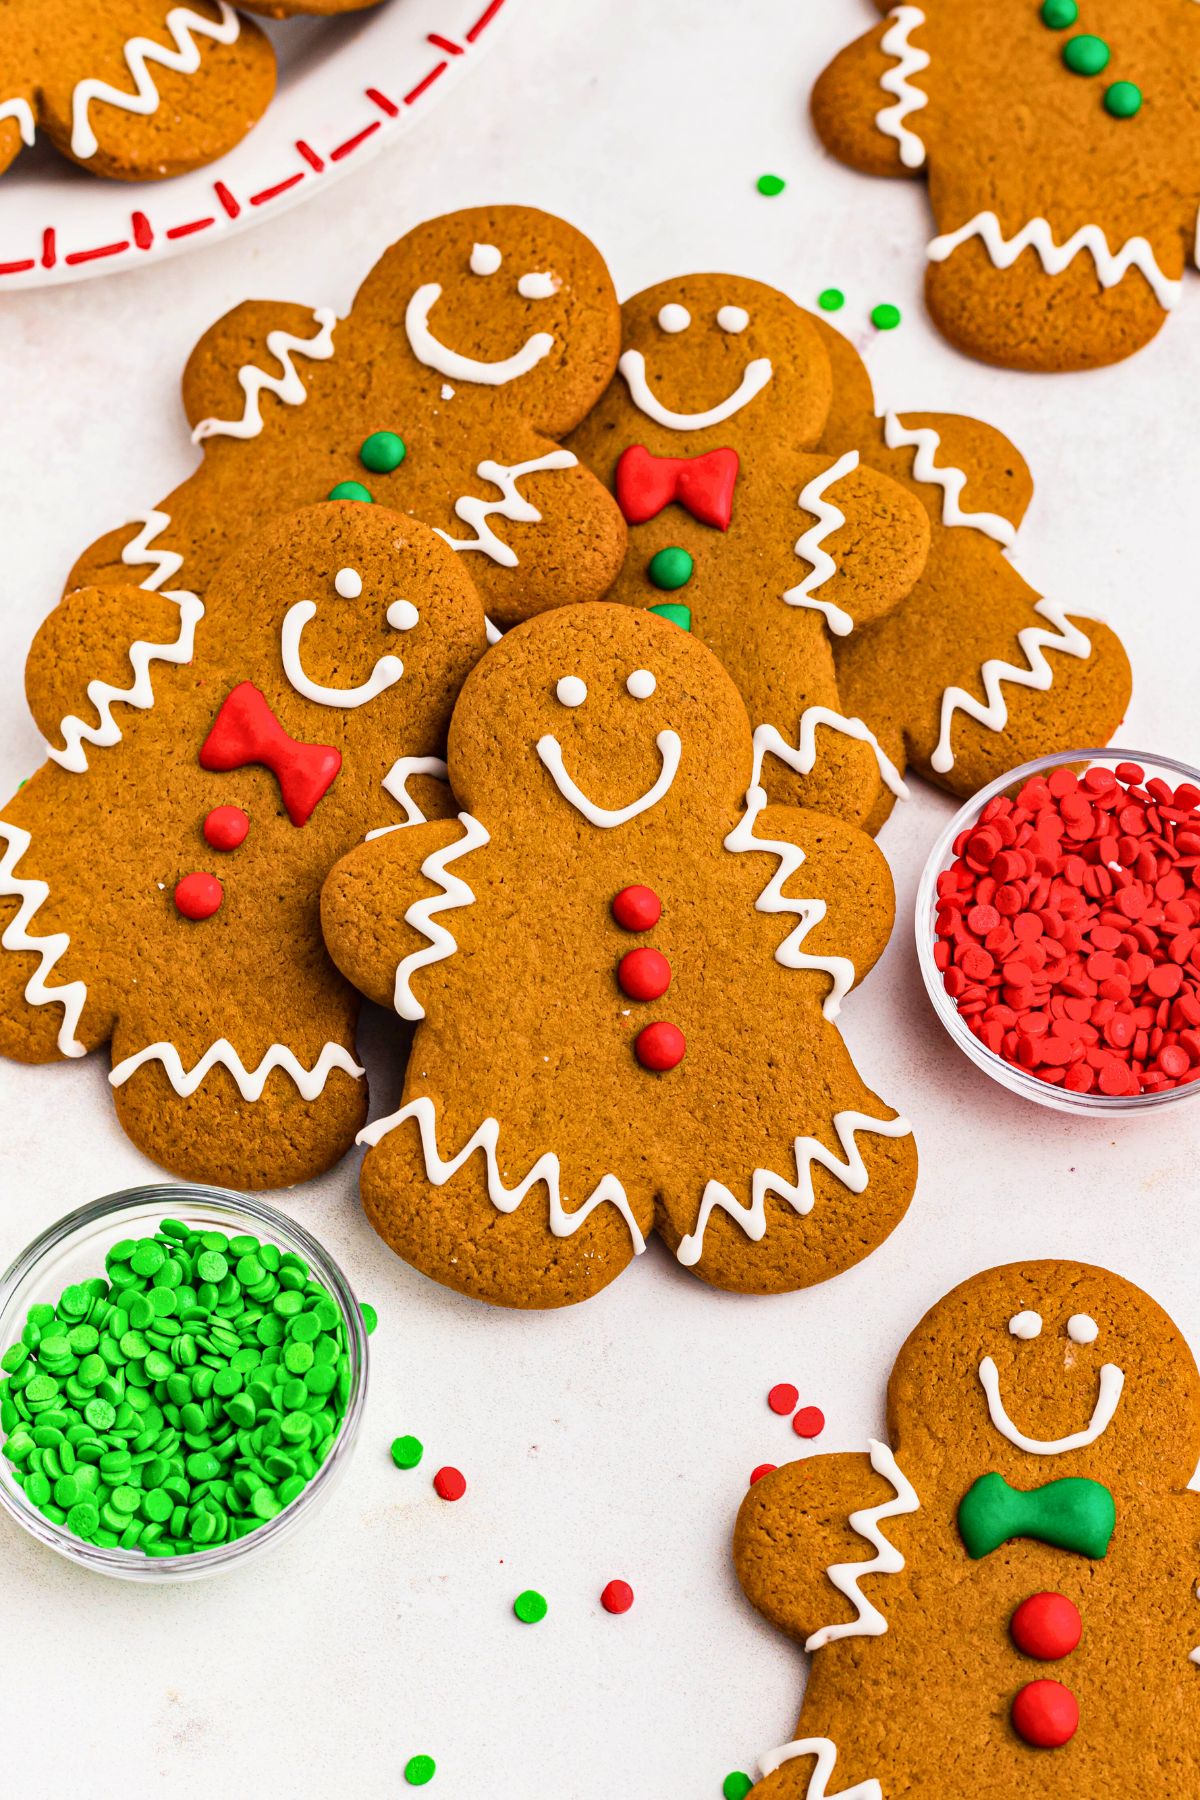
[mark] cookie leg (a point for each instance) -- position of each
(453, 1231)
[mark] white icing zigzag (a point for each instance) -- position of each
(506, 1200)
(886, 1561)
(825, 1752)
(140, 692)
(511, 505)
(908, 99)
(809, 912)
(72, 995)
(770, 742)
(1039, 675)
(182, 24)
(1111, 266)
(250, 1082)
(810, 545)
(287, 386)
(395, 783)
(420, 914)
(799, 1195)
(952, 481)
(22, 112)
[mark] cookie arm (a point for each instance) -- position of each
(370, 897)
(844, 868)
(969, 472)
(792, 1527)
(867, 104)
(255, 357)
(862, 544)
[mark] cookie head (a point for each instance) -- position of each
(605, 718)
(504, 303)
(1041, 1370)
(714, 354)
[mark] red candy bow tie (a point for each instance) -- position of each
(245, 730)
(702, 484)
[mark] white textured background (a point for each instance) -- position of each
(614, 1439)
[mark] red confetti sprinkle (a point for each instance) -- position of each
(1068, 930)
(783, 1397)
(809, 1422)
(198, 896)
(762, 1469)
(617, 1597)
(450, 1484)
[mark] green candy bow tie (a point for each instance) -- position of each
(1072, 1513)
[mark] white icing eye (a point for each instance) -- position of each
(733, 318)
(348, 583)
(1081, 1329)
(1025, 1324)
(641, 684)
(538, 286)
(485, 259)
(402, 615)
(571, 691)
(674, 318)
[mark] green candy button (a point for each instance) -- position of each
(673, 611)
(1086, 55)
(351, 490)
(418, 1770)
(1058, 14)
(1123, 99)
(382, 452)
(670, 568)
(530, 1607)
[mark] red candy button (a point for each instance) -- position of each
(782, 1397)
(1045, 1714)
(198, 896)
(449, 1484)
(809, 1422)
(637, 909)
(1046, 1626)
(617, 1597)
(644, 974)
(660, 1046)
(762, 1469)
(226, 827)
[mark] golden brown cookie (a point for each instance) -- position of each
(709, 438)
(159, 875)
(474, 343)
(627, 973)
(975, 672)
(1002, 1602)
(1063, 159)
(136, 89)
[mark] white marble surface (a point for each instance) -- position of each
(614, 1439)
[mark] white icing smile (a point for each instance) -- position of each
(385, 674)
(1112, 1380)
(550, 751)
(755, 377)
(430, 350)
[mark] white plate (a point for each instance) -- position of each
(347, 86)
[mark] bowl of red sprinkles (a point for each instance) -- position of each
(1058, 930)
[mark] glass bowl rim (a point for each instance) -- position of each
(1016, 1080)
(177, 1197)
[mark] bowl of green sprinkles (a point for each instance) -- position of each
(182, 1375)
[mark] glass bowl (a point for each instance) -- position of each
(1017, 1080)
(74, 1250)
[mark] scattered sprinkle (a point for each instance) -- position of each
(418, 1770)
(407, 1453)
(736, 1785)
(885, 317)
(370, 1317)
(770, 185)
(783, 1397)
(762, 1469)
(617, 1597)
(831, 300)
(530, 1607)
(450, 1484)
(809, 1422)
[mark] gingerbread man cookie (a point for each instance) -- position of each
(1063, 160)
(627, 972)
(975, 671)
(709, 438)
(1002, 1602)
(159, 875)
(474, 343)
(138, 89)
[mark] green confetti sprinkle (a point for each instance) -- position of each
(770, 185)
(831, 300)
(419, 1769)
(885, 317)
(530, 1607)
(736, 1785)
(370, 1317)
(407, 1452)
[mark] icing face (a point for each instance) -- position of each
(572, 692)
(485, 260)
(675, 319)
(402, 615)
(1025, 1327)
